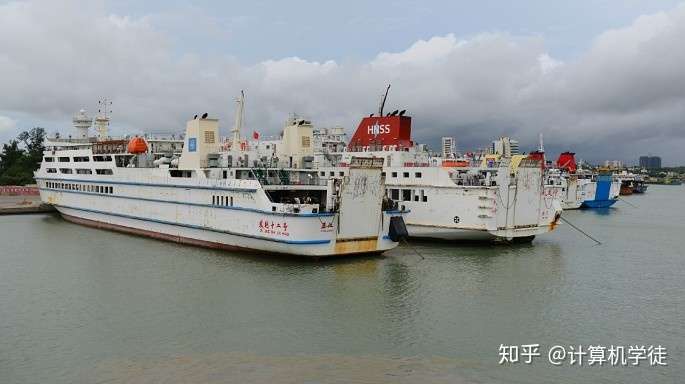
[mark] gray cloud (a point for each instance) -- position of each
(624, 97)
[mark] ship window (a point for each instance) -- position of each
(66, 170)
(406, 195)
(405, 174)
(395, 194)
(48, 159)
(179, 173)
(213, 200)
(102, 158)
(323, 173)
(105, 171)
(80, 158)
(417, 174)
(226, 202)
(273, 208)
(424, 198)
(225, 175)
(332, 173)
(222, 200)
(342, 173)
(51, 170)
(209, 137)
(231, 201)
(383, 174)
(394, 174)
(82, 171)
(64, 159)
(416, 197)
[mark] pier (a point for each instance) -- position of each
(21, 200)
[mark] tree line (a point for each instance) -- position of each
(21, 156)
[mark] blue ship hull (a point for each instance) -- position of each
(598, 203)
(601, 199)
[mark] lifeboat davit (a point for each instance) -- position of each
(137, 145)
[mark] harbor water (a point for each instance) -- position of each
(81, 305)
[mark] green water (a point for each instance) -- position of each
(80, 305)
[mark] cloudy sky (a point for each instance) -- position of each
(603, 78)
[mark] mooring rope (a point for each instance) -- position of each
(625, 201)
(580, 230)
(412, 248)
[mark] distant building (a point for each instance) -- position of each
(650, 162)
(505, 146)
(613, 164)
(449, 147)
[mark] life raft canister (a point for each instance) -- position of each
(137, 145)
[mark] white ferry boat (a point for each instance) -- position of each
(583, 188)
(577, 185)
(199, 196)
(492, 198)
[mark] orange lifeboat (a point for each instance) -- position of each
(137, 145)
(454, 163)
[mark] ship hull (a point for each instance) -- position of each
(461, 234)
(569, 205)
(598, 203)
(185, 234)
(640, 188)
(605, 195)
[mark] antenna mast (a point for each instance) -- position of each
(382, 104)
(541, 147)
(238, 120)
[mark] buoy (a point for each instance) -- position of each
(137, 145)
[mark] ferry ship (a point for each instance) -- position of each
(577, 184)
(631, 183)
(195, 192)
(492, 198)
(605, 192)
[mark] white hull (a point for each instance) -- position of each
(213, 227)
(211, 238)
(569, 205)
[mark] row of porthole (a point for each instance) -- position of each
(226, 201)
(77, 159)
(81, 187)
(81, 171)
(418, 175)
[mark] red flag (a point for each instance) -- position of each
(255, 135)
